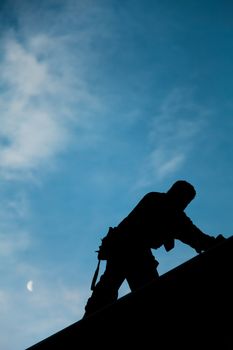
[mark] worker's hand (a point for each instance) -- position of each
(198, 250)
(214, 241)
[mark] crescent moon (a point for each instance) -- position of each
(30, 286)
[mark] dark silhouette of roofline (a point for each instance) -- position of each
(189, 307)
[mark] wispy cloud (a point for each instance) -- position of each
(172, 134)
(37, 103)
(31, 132)
(164, 163)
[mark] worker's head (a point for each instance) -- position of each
(181, 193)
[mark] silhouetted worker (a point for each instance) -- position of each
(158, 219)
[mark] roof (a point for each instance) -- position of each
(189, 307)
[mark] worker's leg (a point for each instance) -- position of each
(106, 290)
(142, 269)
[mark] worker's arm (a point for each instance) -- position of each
(190, 234)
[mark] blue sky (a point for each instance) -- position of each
(101, 102)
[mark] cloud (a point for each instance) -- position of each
(44, 98)
(31, 132)
(173, 134)
(164, 163)
(23, 71)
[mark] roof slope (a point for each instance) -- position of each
(189, 307)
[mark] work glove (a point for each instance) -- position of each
(213, 242)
